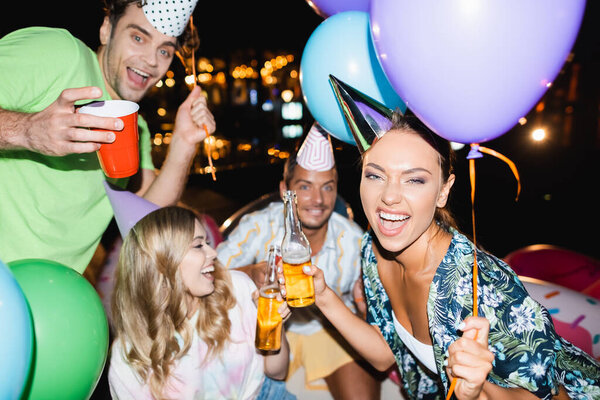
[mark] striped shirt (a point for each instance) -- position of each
(339, 258)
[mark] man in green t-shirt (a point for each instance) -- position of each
(53, 204)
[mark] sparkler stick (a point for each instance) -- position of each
(195, 82)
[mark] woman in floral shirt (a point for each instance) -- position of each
(418, 278)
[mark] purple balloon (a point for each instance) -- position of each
(471, 69)
(326, 8)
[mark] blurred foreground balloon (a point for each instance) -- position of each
(342, 46)
(326, 8)
(471, 69)
(71, 330)
(16, 336)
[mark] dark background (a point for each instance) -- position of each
(558, 203)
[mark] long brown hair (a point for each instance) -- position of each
(150, 302)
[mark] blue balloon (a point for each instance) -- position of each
(342, 46)
(16, 336)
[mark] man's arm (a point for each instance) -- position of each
(256, 272)
(58, 129)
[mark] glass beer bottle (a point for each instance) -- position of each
(295, 251)
(268, 320)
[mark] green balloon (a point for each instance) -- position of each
(70, 328)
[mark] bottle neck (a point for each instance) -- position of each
(295, 245)
(292, 222)
(271, 274)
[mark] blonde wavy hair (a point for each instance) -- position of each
(150, 303)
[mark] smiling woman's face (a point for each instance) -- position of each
(198, 264)
(400, 188)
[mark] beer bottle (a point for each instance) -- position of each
(268, 320)
(295, 251)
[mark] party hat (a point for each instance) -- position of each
(367, 118)
(316, 153)
(128, 207)
(169, 17)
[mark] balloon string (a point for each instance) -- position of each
(475, 148)
(472, 178)
(511, 164)
(451, 390)
(475, 269)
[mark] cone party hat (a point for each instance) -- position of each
(169, 17)
(128, 207)
(367, 118)
(316, 152)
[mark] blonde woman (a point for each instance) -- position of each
(185, 326)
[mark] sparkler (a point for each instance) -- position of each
(195, 82)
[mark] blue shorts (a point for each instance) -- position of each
(274, 390)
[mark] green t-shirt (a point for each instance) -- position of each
(54, 208)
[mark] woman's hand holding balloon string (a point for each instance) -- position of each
(469, 358)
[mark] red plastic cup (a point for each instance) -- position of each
(120, 158)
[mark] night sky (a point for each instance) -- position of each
(228, 25)
(223, 26)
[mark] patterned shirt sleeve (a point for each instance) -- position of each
(245, 243)
(528, 351)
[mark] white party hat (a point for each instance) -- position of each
(169, 16)
(316, 153)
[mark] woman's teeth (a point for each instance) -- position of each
(391, 221)
(392, 217)
(208, 270)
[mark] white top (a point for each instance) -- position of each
(237, 373)
(339, 258)
(422, 351)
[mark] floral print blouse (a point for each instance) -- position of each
(528, 351)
